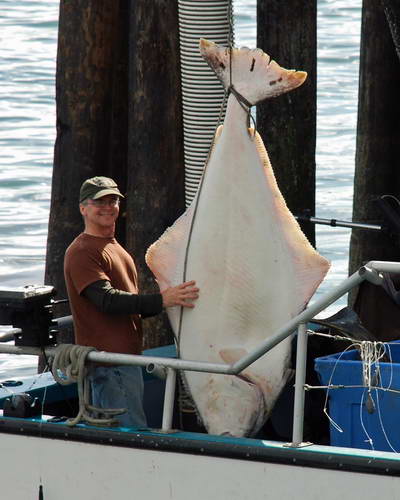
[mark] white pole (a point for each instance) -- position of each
(169, 398)
(299, 394)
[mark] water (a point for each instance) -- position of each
(28, 36)
(338, 34)
(28, 44)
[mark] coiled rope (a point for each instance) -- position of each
(70, 360)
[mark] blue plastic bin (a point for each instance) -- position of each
(348, 406)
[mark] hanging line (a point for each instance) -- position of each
(197, 197)
(195, 201)
(244, 103)
(195, 207)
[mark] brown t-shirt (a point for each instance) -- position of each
(89, 259)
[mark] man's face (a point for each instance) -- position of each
(101, 212)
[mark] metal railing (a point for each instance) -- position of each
(370, 272)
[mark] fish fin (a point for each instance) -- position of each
(218, 133)
(289, 374)
(254, 75)
(166, 259)
(233, 354)
(164, 255)
(186, 401)
(215, 140)
(310, 266)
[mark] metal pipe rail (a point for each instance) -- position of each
(110, 358)
(339, 223)
(370, 272)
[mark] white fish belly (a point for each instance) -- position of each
(239, 259)
(255, 270)
(238, 256)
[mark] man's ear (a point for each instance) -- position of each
(82, 209)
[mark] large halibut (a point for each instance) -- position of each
(238, 240)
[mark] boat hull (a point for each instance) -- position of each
(89, 463)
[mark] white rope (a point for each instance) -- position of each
(325, 410)
(70, 360)
(383, 427)
(371, 354)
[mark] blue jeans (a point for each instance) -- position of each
(119, 387)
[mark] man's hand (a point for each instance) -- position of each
(181, 295)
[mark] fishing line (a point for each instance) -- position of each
(184, 396)
(195, 204)
(383, 427)
(371, 354)
(334, 337)
(244, 103)
(377, 399)
(325, 409)
(369, 439)
(230, 40)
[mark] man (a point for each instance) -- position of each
(102, 286)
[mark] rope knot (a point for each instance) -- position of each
(239, 96)
(245, 104)
(70, 360)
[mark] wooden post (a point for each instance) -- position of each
(117, 76)
(377, 165)
(91, 96)
(392, 12)
(156, 163)
(287, 32)
(378, 135)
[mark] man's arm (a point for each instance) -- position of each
(113, 301)
(110, 300)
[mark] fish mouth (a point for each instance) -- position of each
(235, 406)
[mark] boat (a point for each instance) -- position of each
(44, 457)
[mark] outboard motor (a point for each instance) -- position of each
(29, 309)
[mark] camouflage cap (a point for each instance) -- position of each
(96, 187)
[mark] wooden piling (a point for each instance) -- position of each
(91, 92)
(118, 115)
(287, 32)
(155, 196)
(377, 152)
(378, 136)
(392, 13)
